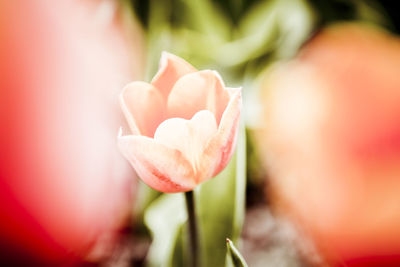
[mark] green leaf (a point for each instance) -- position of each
(165, 218)
(145, 196)
(233, 256)
(180, 254)
(221, 207)
(208, 19)
(296, 21)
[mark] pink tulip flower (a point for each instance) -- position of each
(184, 125)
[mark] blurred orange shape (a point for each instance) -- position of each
(332, 143)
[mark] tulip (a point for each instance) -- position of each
(65, 190)
(184, 125)
(332, 143)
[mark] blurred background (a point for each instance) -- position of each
(321, 150)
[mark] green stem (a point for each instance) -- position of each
(193, 235)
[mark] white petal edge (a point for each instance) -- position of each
(131, 121)
(220, 149)
(159, 166)
(164, 63)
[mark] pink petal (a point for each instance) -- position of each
(198, 91)
(161, 167)
(171, 69)
(220, 149)
(143, 107)
(189, 136)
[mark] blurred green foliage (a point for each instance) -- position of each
(235, 37)
(240, 38)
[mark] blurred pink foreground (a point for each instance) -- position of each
(64, 188)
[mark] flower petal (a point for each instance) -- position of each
(171, 69)
(159, 166)
(188, 136)
(220, 149)
(198, 91)
(143, 107)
